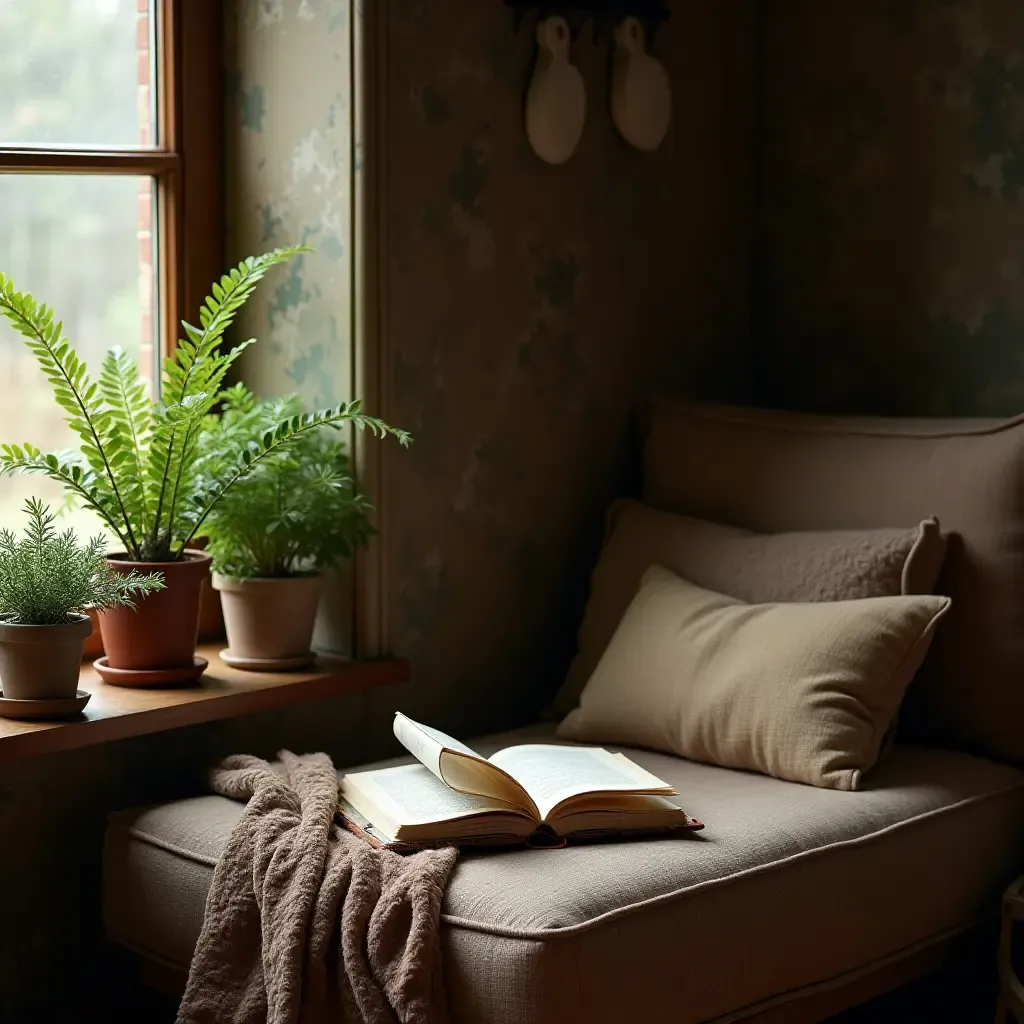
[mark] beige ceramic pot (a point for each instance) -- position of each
(268, 620)
(42, 662)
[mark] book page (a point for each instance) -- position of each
(626, 813)
(553, 774)
(459, 766)
(427, 744)
(410, 794)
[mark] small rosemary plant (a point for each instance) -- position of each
(46, 577)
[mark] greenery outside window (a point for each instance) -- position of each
(110, 190)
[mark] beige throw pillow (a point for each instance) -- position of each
(804, 692)
(823, 565)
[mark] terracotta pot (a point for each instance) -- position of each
(211, 621)
(94, 642)
(41, 662)
(161, 632)
(269, 619)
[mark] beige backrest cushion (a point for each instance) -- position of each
(812, 566)
(801, 691)
(772, 472)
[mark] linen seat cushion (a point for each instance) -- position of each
(776, 471)
(787, 887)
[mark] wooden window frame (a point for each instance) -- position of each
(187, 164)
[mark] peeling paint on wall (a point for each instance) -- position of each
(289, 181)
(888, 269)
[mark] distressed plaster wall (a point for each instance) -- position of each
(528, 308)
(889, 257)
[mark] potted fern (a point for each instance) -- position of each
(136, 464)
(47, 582)
(294, 516)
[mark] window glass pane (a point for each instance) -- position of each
(85, 246)
(76, 73)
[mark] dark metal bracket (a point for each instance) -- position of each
(604, 14)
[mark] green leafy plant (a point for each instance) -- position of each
(136, 464)
(46, 576)
(299, 511)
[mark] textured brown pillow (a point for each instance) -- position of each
(802, 691)
(811, 566)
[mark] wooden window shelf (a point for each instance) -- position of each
(116, 713)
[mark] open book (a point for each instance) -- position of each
(455, 795)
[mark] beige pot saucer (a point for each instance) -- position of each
(61, 707)
(268, 664)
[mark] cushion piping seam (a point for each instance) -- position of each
(568, 930)
(163, 844)
(743, 1013)
(824, 424)
(609, 915)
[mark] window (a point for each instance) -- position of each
(110, 190)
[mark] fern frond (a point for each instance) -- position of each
(77, 479)
(197, 368)
(277, 439)
(194, 351)
(74, 391)
(130, 423)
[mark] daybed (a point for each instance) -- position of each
(795, 901)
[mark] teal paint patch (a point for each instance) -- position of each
(270, 223)
(331, 247)
(312, 368)
(306, 366)
(998, 127)
(341, 15)
(468, 181)
(556, 283)
(254, 108)
(426, 594)
(337, 108)
(289, 295)
(425, 414)
(436, 104)
(981, 372)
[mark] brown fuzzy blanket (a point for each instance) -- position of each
(305, 923)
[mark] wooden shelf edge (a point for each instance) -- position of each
(117, 713)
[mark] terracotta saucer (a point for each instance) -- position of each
(144, 678)
(267, 664)
(62, 707)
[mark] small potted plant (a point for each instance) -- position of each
(136, 465)
(294, 516)
(47, 582)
